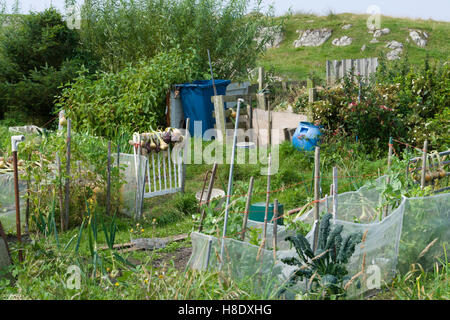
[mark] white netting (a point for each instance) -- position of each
(415, 232)
(130, 199)
(7, 201)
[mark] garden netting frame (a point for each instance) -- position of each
(394, 243)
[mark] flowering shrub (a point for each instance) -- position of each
(411, 105)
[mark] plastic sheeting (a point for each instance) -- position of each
(7, 202)
(132, 191)
(417, 231)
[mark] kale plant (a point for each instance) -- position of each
(326, 267)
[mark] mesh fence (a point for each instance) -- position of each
(416, 231)
(132, 191)
(7, 202)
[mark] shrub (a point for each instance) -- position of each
(130, 100)
(37, 55)
(405, 104)
(120, 32)
(186, 203)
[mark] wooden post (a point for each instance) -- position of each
(219, 113)
(208, 195)
(275, 223)
(247, 208)
(27, 208)
(335, 192)
(17, 203)
(388, 179)
(424, 164)
(67, 200)
(267, 202)
(270, 122)
(60, 193)
(260, 79)
(316, 195)
(15, 140)
(108, 182)
(183, 165)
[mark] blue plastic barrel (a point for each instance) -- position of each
(196, 101)
(306, 136)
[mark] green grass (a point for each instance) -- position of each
(43, 275)
(295, 64)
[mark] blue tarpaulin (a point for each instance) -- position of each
(196, 101)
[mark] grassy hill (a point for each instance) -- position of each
(295, 63)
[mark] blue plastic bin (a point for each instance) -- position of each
(306, 136)
(196, 101)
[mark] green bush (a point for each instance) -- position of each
(406, 103)
(38, 53)
(186, 204)
(130, 100)
(128, 31)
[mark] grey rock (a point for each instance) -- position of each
(419, 37)
(342, 41)
(394, 54)
(276, 33)
(347, 26)
(312, 37)
(363, 48)
(394, 45)
(380, 32)
(374, 40)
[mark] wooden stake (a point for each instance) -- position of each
(388, 179)
(67, 199)
(183, 165)
(335, 192)
(27, 208)
(208, 195)
(60, 193)
(17, 203)
(316, 195)
(275, 224)
(267, 202)
(424, 164)
(108, 182)
(260, 79)
(247, 208)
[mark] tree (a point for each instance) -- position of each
(38, 53)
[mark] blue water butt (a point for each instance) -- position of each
(306, 136)
(196, 101)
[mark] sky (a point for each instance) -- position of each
(425, 9)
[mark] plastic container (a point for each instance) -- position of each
(258, 210)
(306, 136)
(197, 105)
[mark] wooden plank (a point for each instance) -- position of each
(220, 116)
(131, 246)
(233, 98)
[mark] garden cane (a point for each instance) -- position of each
(15, 140)
(230, 181)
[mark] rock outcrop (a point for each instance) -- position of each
(342, 41)
(396, 50)
(276, 33)
(419, 37)
(312, 37)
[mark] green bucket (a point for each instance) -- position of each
(258, 210)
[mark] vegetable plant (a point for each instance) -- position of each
(324, 268)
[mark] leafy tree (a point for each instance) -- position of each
(123, 31)
(38, 53)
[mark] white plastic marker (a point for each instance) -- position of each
(230, 181)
